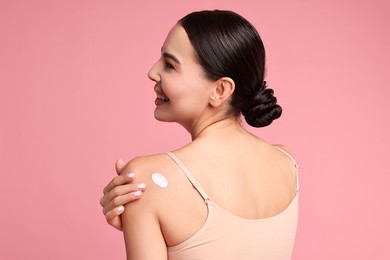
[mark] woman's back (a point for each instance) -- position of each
(245, 197)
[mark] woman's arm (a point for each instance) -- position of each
(141, 226)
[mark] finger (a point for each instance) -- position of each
(119, 164)
(118, 180)
(116, 201)
(115, 193)
(113, 217)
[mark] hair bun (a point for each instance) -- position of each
(262, 109)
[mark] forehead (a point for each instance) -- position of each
(178, 43)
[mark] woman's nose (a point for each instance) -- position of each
(153, 73)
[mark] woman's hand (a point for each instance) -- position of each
(117, 193)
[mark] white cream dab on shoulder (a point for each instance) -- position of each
(160, 180)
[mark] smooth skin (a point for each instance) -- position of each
(239, 171)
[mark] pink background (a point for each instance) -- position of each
(74, 97)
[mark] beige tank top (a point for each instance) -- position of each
(225, 235)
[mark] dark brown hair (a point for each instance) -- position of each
(227, 45)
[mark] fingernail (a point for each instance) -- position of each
(130, 175)
(120, 208)
(137, 193)
(141, 185)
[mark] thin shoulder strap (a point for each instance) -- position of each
(189, 177)
(295, 165)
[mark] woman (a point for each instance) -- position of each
(228, 194)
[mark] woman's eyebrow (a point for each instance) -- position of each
(170, 56)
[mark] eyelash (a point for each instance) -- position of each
(168, 66)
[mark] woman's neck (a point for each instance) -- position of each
(224, 125)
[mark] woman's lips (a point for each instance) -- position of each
(161, 100)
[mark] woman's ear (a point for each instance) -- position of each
(223, 89)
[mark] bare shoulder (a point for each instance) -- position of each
(144, 164)
(286, 151)
(284, 148)
(146, 168)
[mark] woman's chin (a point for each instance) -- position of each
(159, 116)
